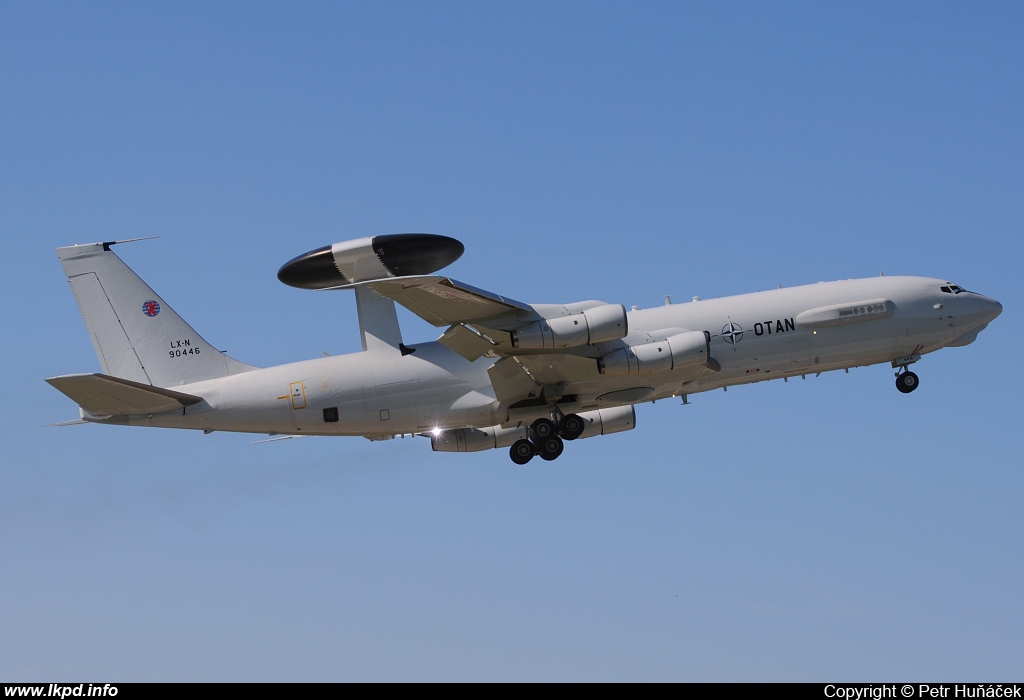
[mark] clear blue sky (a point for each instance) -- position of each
(822, 529)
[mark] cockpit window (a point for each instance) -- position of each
(953, 289)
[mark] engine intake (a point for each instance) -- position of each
(597, 325)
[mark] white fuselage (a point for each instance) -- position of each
(754, 337)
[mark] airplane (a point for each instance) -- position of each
(503, 373)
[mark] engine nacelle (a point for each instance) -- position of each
(590, 327)
(475, 439)
(680, 350)
(606, 421)
(603, 421)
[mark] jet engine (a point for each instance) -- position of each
(590, 327)
(680, 350)
(603, 421)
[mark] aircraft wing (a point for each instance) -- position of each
(525, 376)
(103, 395)
(443, 301)
(477, 320)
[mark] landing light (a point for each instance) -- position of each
(435, 432)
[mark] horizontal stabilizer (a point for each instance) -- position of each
(103, 395)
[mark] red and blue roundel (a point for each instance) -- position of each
(151, 308)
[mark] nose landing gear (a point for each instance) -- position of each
(906, 381)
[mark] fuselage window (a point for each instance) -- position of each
(858, 310)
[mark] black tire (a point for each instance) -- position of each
(550, 448)
(542, 429)
(522, 451)
(571, 427)
(907, 382)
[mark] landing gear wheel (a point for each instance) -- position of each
(550, 448)
(522, 451)
(906, 382)
(571, 427)
(542, 429)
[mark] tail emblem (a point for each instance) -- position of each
(151, 308)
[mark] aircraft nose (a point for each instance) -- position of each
(982, 307)
(991, 308)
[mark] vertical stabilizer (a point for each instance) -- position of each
(136, 335)
(378, 322)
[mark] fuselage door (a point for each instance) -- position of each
(298, 391)
(428, 414)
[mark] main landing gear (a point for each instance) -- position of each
(546, 438)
